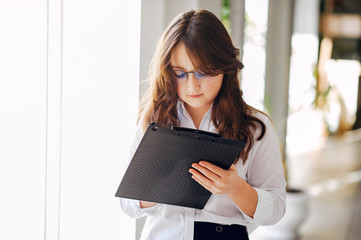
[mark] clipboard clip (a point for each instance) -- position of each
(183, 129)
(155, 126)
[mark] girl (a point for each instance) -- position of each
(194, 84)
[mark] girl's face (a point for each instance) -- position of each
(197, 90)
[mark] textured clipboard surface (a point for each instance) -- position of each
(159, 172)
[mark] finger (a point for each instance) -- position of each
(215, 169)
(201, 177)
(209, 188)
(233, 167)
(206, 172)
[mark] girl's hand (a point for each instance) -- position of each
(144, 204)
(220, 181)
(216, 179)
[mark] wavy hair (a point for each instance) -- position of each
(211, 50)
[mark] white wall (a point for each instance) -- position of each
(22, 119)
(68, 104)
(152, 27)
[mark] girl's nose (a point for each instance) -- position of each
(192, 83)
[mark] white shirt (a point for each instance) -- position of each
(263, 170)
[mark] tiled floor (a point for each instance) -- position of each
(332, 176)
(331, 216)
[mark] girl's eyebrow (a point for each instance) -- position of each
(178, 67)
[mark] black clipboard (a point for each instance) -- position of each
(159, 169)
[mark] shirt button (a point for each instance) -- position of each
(219, 229)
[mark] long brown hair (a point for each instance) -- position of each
(211, 50)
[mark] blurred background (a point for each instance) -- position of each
(72, 74)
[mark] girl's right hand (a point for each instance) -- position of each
(144, 204)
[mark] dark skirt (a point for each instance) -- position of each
(214, 231)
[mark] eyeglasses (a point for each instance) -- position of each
(182, 76)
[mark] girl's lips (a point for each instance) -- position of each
(196, 95)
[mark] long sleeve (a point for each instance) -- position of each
(132, 208)
(266, 176)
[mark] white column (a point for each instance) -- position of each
(23, 61)
(53, 152)
(175, 7)
(237, 23)
(278, 52)
(306, 16)
(101, 42)
(152, 27)
(214, 6)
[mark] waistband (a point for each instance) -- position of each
(213, 231)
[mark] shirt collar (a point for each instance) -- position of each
(183, 115)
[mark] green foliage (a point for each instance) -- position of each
(267, 105)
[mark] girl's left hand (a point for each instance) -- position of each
(216, 179)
